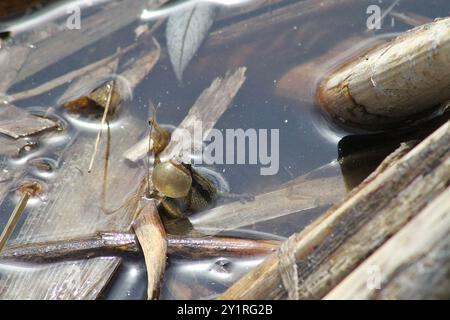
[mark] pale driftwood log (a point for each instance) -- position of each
(393, 83)
(313, 261)
(413, 264)
(152, 238)
(300, 83)
(206, 111)
(321, 188)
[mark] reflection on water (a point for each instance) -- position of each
(307, 139)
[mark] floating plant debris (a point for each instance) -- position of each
(186, 31)
(16, 122)
(119, 204)
(98, 98)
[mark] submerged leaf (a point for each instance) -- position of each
(185, 32)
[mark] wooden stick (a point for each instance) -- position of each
(413, 264)
(218, 246)
(113, 243)
(152, 238)
(102, 124)
(394, 83)
(320, 256)
(411, 18)
(14, 219)
(101, 244)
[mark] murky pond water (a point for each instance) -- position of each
(267, 39)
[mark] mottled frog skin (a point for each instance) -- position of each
(202, 194)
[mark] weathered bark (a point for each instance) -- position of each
(394, 83)
(413, 264)
(313, 261)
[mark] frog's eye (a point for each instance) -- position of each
(172, 179)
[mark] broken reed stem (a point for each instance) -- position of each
(100, 130)
(152, 238)
(413, 264)
(323, 254)
(14, 219)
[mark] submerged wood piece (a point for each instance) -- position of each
(102, 23)
(411, 18)
(205, 112)
(413, 264)
(142, 64)
(74, 208)
(16, 122)
(301, 194)
(277, 17)
(68, 280)
(12, 59)
(319, 257)
(152, 238)
(70, 76)
(219, 246)
(78, 204)
(392, 83)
